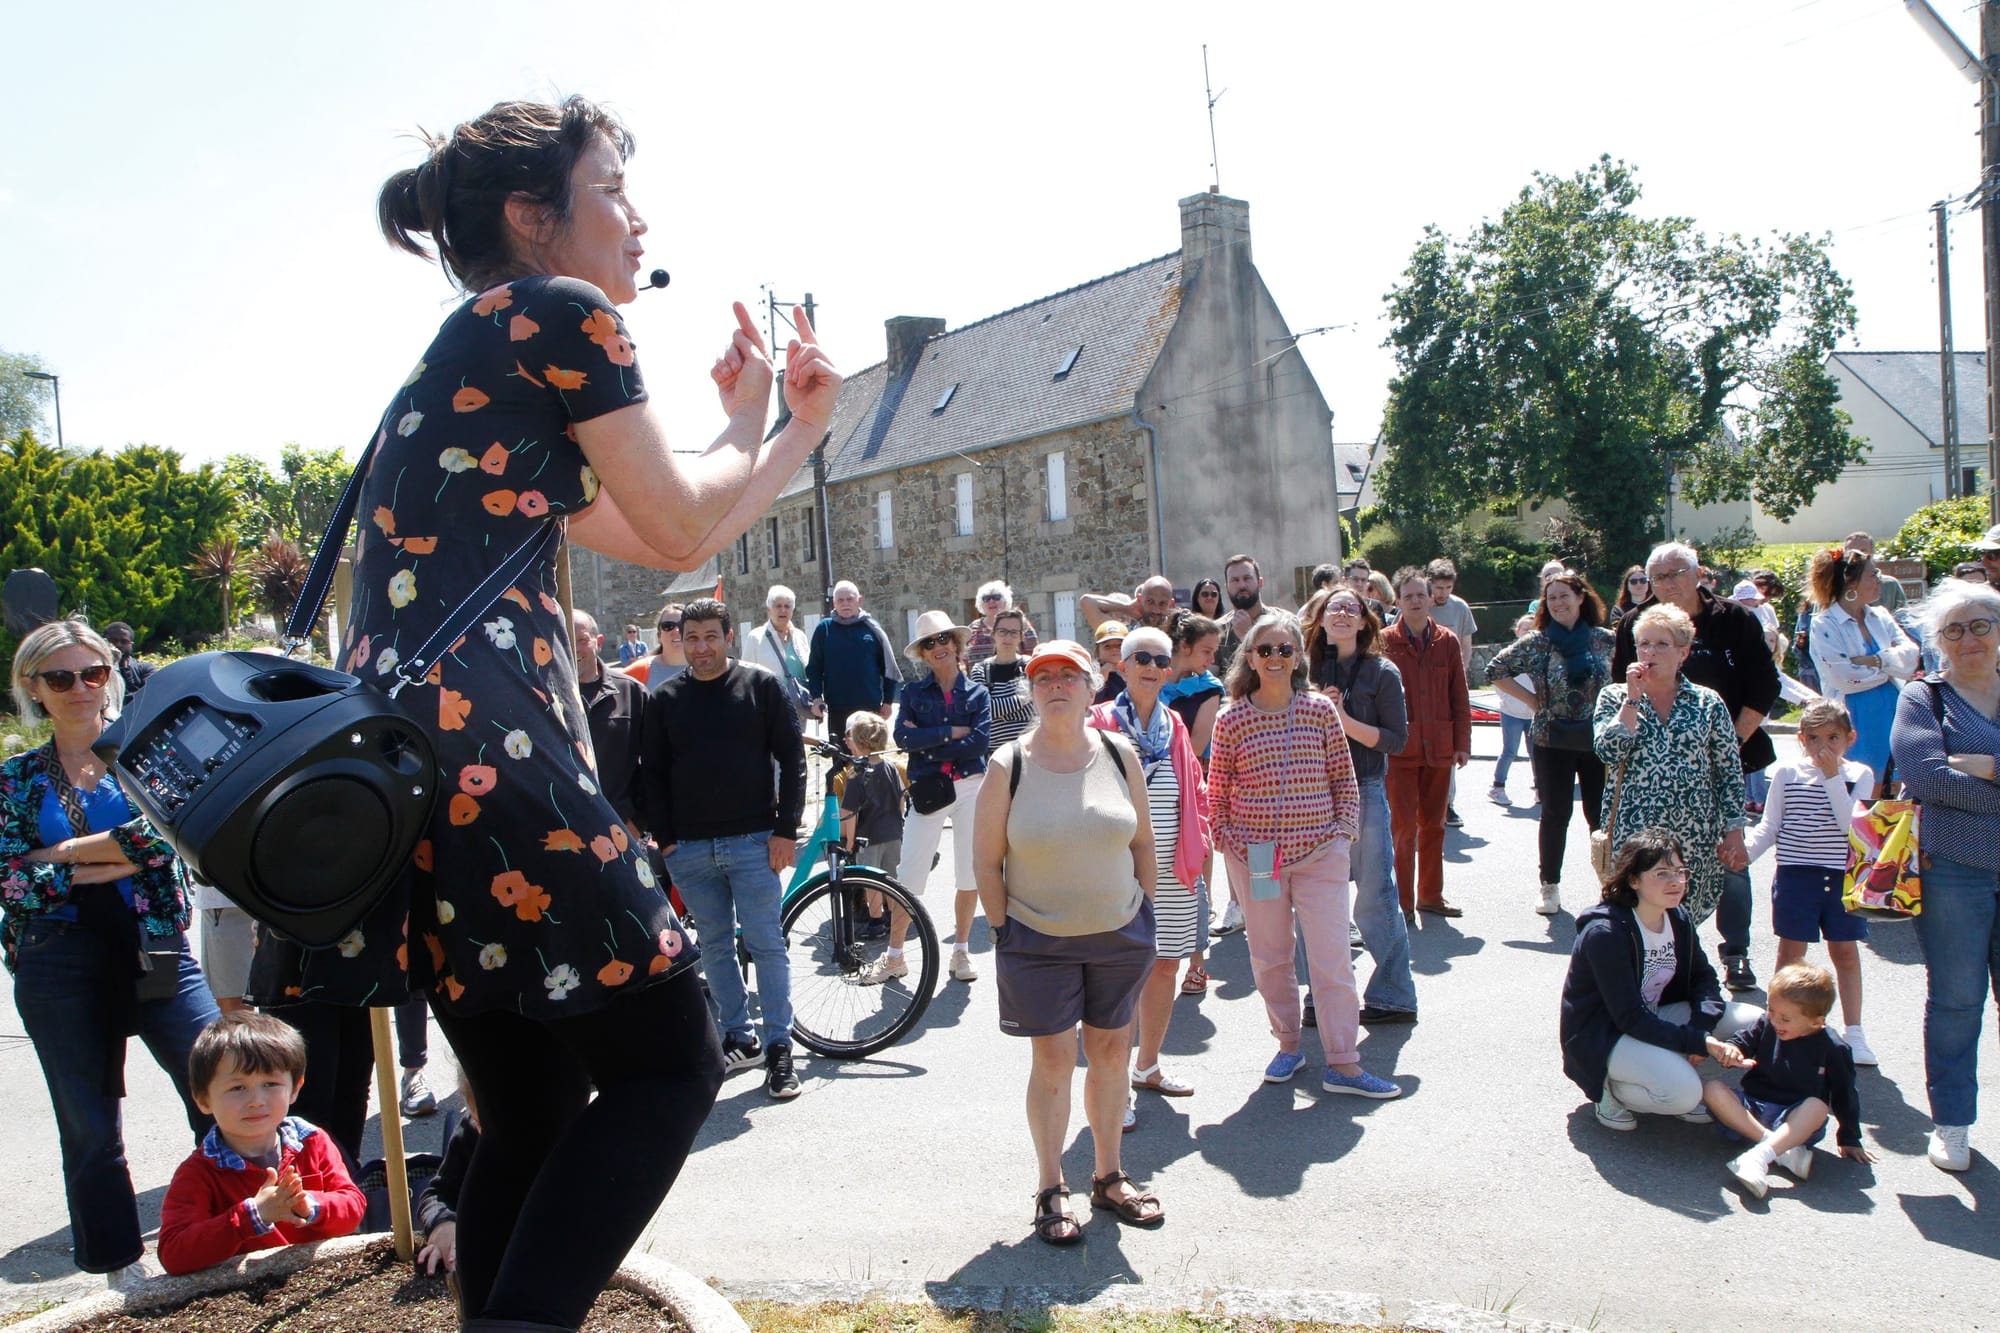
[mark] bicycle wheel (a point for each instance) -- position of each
(834, 1012)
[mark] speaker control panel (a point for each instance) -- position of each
(196, 741)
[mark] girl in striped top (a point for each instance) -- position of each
(1806, 818)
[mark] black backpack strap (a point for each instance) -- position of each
(1013, 768)
(1111, 748)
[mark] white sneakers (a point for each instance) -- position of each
(1612, 1113)
(1232, 920)
(1551, 900)
(888, 967)
(1857, 1042)
(1797, 1160)
(1951, 1147)
(1750, 1170)
(1499, 795)
(961, 966)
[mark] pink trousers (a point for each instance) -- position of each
(1314, 895)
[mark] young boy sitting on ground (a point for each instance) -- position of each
(261, 1178)
(1798, 1075)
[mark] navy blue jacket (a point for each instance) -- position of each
(1601, 1001)
(925, 717)
(845, 665)
(1815, 1065)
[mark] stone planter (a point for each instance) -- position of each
(693, 1301)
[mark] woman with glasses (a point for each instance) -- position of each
(943, 721)
(1946, 733)
(95, 910)
(1861, 654)
(1286, 810)
(666, 659)
(1569, 657)
(994, 598)
(1634, 591)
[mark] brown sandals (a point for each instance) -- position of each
(1054, 1224)
(1140, 1210)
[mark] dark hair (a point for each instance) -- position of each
(117, 627)
(1314, 619)
(1358, 562)
(1240, 559)
(706, 608)
(1625, 602)
(1404, 575)
(458, 196)
(1640, 853)
(1194, 596)
(1189, 628)
(1590, 613)
(1833, 571)
(1324, 574)
(252, 1042)
(1442, 568)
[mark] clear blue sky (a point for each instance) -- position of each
(187, 191)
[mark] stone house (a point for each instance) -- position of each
(1158, 418)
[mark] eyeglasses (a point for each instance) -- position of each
(1981, 628)
(1343, 609)
(930, 641)
(1667, 575)
(673, 625)
(1144, 658)
(1007, 632)
(1266, 649)
(62, 680)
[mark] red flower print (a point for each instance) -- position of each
(453, 709)
(618, 350)
(498, 503)
(543, 654)
(533, 903)
(510, 886)
(618, 837)
(522, 371)
(605, 851)
(436, 946)
(614, 973)
(533, 503)
(385, 519)
(494, 460)
(521, 328)
(562, 840)
(419, 545)
(469, 399)
(463, 808)
(600, 326)
(477, 779)
(361, 653)
(550, 604)
(670, 943)
(564, 379)
(498, 299)
(421, 858)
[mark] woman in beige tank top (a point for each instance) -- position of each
(1063, 856)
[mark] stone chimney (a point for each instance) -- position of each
(1211, 223)
(907, 336)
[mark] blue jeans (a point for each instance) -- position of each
(729, 885)
(1960, 934)
(63, 982)
(1512, 729)
(1378, 913)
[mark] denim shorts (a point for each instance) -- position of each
(1805, 904)
(1049, 983)
(1770, 1115)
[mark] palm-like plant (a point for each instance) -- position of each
(278, 575)
(218, 562)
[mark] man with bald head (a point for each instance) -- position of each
(851, 666)
(1151, 605)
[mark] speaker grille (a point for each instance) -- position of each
(320, 844)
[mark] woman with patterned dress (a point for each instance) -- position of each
(550, 952)
(1676, 747)
(1569, 657)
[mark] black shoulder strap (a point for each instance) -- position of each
(1934, 687)
(1111, 749)
(1013, 768)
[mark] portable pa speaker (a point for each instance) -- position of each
(298, 791)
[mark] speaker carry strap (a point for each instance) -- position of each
(319, 581)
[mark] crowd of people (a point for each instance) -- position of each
(1090, 788)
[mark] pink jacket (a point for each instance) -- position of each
(1191, 851)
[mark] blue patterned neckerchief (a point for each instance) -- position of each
(1154, 740)
(292, 1132)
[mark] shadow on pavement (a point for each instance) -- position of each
(1656, 1163)
(1229, 976)
(1265, 1147)
(1191, 1030)
(1079, 1271)
(1561, 936)
(1894, 942)
(1964, 1223)
(1437, 941)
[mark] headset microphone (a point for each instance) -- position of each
(659, 278)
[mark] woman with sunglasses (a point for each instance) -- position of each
(944, 720)
(994, 599)
(1286, 810)
(1206, 599)
(1946, 732)
(95, 913)
(1861, 654)
(1634, 591)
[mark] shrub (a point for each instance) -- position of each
(1942, 534)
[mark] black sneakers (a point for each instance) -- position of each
(1736, 973)
(740, 1053)
(780, 1083)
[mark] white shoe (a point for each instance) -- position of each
(417, 1099)
(961, 966)
(1613, 1114)
(126, 1278)
(1551, 901)
(1951, 1149)
(1797, 1160)
(1699, 1116)
(1131, 1121)
(1750, 1173)
(1499, 795)
(1857, 1042)
(884, 969)
(1232, 920)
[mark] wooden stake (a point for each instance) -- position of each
(392, 1134)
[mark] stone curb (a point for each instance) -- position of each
(1241, 1302)
(698, 1304)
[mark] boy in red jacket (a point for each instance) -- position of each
(261, 1178)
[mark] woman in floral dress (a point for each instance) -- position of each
(1677, 748)
(550, 952)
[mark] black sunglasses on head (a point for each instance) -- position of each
(1281, 649)
(62, 680)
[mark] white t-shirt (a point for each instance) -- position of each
(1513, 707)
(1659, 962)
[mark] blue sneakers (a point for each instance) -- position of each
(1283, 1065)
(1363, 1084)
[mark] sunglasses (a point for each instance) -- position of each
(1281, 649)
(1952, 633)
(931, 641)
(673, 625)
(62, 680)
(1144, 658)
(1638, 581)
(993, 597)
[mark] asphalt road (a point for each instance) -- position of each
(1489, 1183)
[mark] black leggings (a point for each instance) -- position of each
(562, 1184)
(1556, 774)
(340, 1061)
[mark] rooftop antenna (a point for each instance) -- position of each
(1208, 86)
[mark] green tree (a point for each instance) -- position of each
(295, 500)
(24, 400)
(1568, 349)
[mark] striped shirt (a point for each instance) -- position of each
(1282, 777)
(1013, 709)
(1807, 814)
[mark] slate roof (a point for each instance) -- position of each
(1350, 470)
(1908, 383)
(1005, 369)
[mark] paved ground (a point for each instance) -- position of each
(1489, 1184)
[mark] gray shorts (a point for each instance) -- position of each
(1050, 983)
(886, 857)
(226, 948)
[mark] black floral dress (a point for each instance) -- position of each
(527, 893)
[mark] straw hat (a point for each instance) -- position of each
(934, 622)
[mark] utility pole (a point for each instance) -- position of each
(1989, 226)
(1667, 521)
(821, 518)
(1947, 359)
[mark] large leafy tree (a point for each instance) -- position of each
(294, 500)
(1572, 348)
(24, 400)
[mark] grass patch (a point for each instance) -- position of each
(881, 1317)
(26, 1313)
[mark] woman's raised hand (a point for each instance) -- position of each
(743, 373)
(812, 385)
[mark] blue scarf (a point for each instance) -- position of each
(1575, 644)
(1154, 740)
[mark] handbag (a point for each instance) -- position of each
(1570, 733)
(1601, 859)
(1884, 848)
(931, 793)
(802, 700)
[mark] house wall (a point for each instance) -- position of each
(1902, 473)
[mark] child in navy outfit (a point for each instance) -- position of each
(1799, 1075)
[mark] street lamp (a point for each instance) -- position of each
(56, 381)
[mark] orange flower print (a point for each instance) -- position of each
(436, 946)
(659, 964)
(421, 858)
(403, 956)
(498, 299)
(435, 676)
(451, 987)
(562, 840)
(517, 597)
(463, 809)
(543, 654)
(469, 399)
(385, 519)
(618, 837)
(614, 973)
(600, 326)
(498, 503)
(550, 604)
(605, 851)
(419, 545)
(522, 371)
(564, 379)
(618, 350)
(533, 503)
(453, 709)
(477, 779)
(494, 460)
(521, 328)
(510, 886)
(533, 903)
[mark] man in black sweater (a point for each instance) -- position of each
(711, 738)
